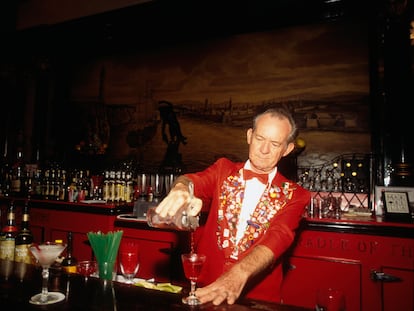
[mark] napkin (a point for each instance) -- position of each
(165, 287)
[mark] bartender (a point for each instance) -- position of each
(253, 214)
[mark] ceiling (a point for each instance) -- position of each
(109, 24)
(34, 13)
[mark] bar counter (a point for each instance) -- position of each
(369, 258)
(19, 281)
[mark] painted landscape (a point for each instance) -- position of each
(214, 87)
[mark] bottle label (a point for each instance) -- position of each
(106, 192)
(128, 193)
(62, 194)
(7, 249)
(22, 254)
(16, 185)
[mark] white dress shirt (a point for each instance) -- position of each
(252, 194)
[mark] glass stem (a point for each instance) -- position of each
(45, 280)
(193, 288)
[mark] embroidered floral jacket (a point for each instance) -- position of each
(273, 223)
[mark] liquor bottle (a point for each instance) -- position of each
(52, 182)
(57, 264)
(81, 187)
(87, 184)
(118, 187)
(129, 187)
(58, 183)
(72, 188)
(1, 227)
(29, 185)
(10, 230)
(6, 183)
(18, 175)
(37, 184)
(111, 186)
(150, 194)
(24, 238)
(63, 187)
(5, 172)
(46, 184)
(106, 190)
(181, 221)
(69, 262)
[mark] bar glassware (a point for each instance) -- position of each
(128, 257)
(46, 254)
(192, 264)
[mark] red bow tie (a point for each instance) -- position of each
(263, 178)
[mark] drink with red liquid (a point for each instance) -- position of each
(87, 268)
(128, 257)
(192, 265)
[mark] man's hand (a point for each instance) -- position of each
(227, 287)
(178, 198)
(230, 284)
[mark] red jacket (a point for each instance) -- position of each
(277, 237)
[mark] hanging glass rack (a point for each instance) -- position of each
(342, 183)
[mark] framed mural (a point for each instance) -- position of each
(210, 89)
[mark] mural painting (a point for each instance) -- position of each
(188, 104)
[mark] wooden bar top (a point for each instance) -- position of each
(19, 281)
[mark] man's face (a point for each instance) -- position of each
(268, 143)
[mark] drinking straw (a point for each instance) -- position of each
(105, 245)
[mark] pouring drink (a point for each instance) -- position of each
(192, 265)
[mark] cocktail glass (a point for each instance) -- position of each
(46, 254)
(87, 268)
(192, 264)
(128, 257)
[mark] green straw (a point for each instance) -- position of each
(105, 246)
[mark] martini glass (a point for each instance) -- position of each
(192, 264)
(46, 254)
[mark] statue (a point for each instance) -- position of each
(172, 159)
(169, 118)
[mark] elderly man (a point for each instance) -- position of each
(253, 214)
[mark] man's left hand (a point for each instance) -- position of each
(227, 287)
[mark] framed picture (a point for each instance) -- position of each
(379, 194)
(396, 205)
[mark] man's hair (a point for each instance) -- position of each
(280, 113)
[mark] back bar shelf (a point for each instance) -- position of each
(339, 185)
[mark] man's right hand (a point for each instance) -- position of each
(179, 198)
